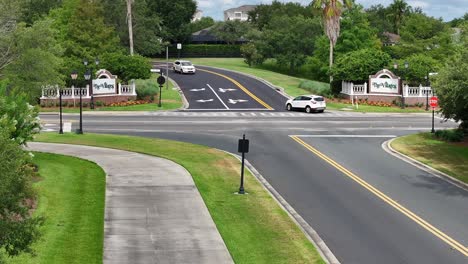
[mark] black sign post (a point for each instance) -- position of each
(434, 102)
(243, 148)
(161, 81)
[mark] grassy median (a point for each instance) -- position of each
(450, 158)
(71, 194)
(254, 228)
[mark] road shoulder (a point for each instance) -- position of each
(388, 148)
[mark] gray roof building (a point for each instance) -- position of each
(239, 13)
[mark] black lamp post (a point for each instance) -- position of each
(395, 66)
(427, 91)
(85, 63)
(87, 76)
(60, 105)
(406, 80)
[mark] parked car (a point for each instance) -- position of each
(183, 66)
(309, 103)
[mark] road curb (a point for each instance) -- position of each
(185, 103)
(388, 148)
(312, 235)
(278, 89)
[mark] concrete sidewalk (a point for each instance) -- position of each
(154, 213)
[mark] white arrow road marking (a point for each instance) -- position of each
(232, 101)
(221, 90)
(204, 101)
(197, 90)
(217, 96)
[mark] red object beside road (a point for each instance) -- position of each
(433, 102)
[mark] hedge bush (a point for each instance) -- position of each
(452, 135)
(204, 50)
(317, 88)
(146, 89)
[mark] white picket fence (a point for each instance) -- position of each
(53, 92)
(352, 89)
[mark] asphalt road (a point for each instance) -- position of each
(212, 89)
(357, 225)
(368, 206)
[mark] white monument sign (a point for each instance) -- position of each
(383, 85)
(384, 82)
(104, 86)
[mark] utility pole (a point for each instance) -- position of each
(130, 24)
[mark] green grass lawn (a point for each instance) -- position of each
(71, 196)
(170, 100)
(450, 158)
(254, 228)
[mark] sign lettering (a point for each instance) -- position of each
(104, 86)
(383, 85)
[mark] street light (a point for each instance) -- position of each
(85, 63)
(427, 91)
(87, 76)
(74, 76)
(406, 80)
(395, 66)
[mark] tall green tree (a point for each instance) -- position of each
(33, 10)
(204, 22)
(358, 65)
(264, 14)
(9, 15)
(451, 84)
(356, 32)
(289, 40)
(230, 31)
(176, 17)
(331, 14)
(147, 25)
(399, 8)
(38, 62)
(421, 34)
(86, 33)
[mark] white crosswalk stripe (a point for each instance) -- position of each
(260, 114)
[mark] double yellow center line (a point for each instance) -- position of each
(260, 101)
(450, 241)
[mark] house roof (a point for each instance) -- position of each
(392, 37)
(204, 35)
(244, 8)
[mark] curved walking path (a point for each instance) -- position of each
(154, 213)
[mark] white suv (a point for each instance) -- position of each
(182, 66)
(307, 102)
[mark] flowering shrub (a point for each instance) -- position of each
(366, 102)
(128, 103)
(18, 119)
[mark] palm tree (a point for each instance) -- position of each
(398, 9)
(130, 24)
(331, 14)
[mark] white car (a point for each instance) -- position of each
(182, 66)
(309, 103)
